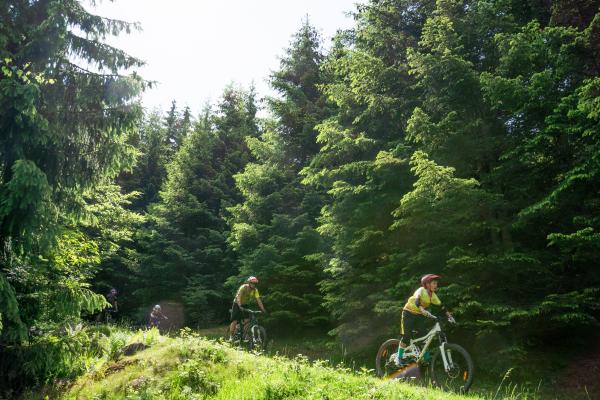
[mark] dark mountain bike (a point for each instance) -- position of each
(106, 316)
(251, 335)
(450, 366)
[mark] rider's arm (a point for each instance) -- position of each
(260, 304)
(425, 312)
(238, 297)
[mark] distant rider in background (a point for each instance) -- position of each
(244, 295)
(105, 315)
(156, 316)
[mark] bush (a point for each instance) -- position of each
(65, 352)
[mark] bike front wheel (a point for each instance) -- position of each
(458, 377)
(258, 338)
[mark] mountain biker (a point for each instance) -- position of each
(244, 295)
(107, 313)
(111, 297)
(156, 316)
(415, 313)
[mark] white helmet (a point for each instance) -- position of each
(157, 307)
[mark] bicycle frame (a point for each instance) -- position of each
(413, 349)
(247, 324)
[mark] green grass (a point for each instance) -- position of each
(194, 367)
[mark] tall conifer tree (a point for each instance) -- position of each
(188, 259)
(64, 127)
(274, 228)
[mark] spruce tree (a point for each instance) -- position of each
(363, 163)
(273, 230)
(65, 110)
(462, 145)
(187, 257)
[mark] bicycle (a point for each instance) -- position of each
(106, 316)
(451, 366)
(254, 335)
(157, 322)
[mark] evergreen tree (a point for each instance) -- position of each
(462, 145)
(150, 169)
(273, 230)
(63, 132)
(187, 258)
(177, 126)
(363, 162)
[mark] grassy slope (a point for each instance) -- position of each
(196, 368)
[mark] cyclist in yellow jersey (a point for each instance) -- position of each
(247, 292)
(415, 313)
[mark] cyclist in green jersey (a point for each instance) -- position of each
(247, 292)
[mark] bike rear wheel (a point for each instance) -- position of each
(385, 362)
(459, 376)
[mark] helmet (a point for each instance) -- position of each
(157, 307)
(113, 291)
(252, 279)
(428, 278)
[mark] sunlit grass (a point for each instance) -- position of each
(191, 366)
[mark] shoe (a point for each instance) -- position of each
(400, 353)
(427, 356)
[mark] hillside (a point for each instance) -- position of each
(193, 367)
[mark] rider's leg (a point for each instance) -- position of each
(246, 326)
(407, 326)
(235, 317)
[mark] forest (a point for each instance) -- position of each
(456, 137)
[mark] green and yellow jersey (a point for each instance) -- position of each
(421, 298)
(246, 293)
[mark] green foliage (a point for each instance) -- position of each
(63, 133)
(273, 229)
(462, 144)
(186, 257)
(456, 137)
(179, 369)
(68, 352)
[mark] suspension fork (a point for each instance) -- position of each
(446, 356)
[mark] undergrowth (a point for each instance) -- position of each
(65, 354)
(192, 367)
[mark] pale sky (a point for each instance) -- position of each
(194, 48)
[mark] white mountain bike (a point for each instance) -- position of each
(450, 365)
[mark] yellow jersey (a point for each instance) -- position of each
(245, 293)
(421, 298)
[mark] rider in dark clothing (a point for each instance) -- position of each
(111, 310)
(111, 297)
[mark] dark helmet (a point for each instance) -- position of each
(428, 278)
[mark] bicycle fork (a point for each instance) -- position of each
(446, 357)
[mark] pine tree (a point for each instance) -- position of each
(187, 258)
(273, 230)
(63, 128)
(363, 162)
